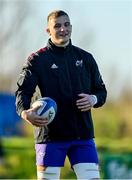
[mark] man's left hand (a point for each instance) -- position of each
(86, 101)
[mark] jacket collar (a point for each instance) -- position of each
(57, 49)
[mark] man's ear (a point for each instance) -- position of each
(71, 28)
(47, 30)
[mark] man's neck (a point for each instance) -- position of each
(61, 45)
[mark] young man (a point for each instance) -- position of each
(71, 77)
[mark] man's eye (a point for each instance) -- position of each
(67, 24)
(57, 26)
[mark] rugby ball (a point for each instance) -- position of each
(47, 109)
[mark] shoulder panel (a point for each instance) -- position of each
(37, 53)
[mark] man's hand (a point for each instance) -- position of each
(86, 101)
(31, 117)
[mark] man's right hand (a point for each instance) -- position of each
(31, 117)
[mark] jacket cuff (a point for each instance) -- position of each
(95, 100)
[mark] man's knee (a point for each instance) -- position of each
(87, 171)
(48, 172)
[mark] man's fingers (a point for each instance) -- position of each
(39, 125)
(36, 108)
(84, 106)
(82, 100)
(87, 109)
(39, 122)
(82, 94)
(82, 103)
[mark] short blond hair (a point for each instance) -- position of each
(56, 14)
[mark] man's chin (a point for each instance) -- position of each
(63, 41)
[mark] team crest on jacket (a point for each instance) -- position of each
(79, 63)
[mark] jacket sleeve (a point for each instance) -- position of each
(26, 85)
(98, 86)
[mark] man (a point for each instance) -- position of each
(71, 77)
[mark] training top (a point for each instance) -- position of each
(61, 73)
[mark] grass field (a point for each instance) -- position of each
(20, 157)
(20, 160)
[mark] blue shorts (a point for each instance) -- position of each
(54, 154)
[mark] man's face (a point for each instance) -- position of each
(59, 29)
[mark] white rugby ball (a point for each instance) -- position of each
(47, 109)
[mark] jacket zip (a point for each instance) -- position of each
(71, 90)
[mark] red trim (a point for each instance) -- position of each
(42, 50)
(39, 51)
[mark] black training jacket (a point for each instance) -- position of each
(61, 73)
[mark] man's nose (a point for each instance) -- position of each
(62, 28)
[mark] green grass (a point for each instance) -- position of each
(20, 157)
(123, 145)
(20, 160)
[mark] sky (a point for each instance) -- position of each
(102, 27)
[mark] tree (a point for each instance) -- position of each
(13, 17)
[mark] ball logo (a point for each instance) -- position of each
(50, 114)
